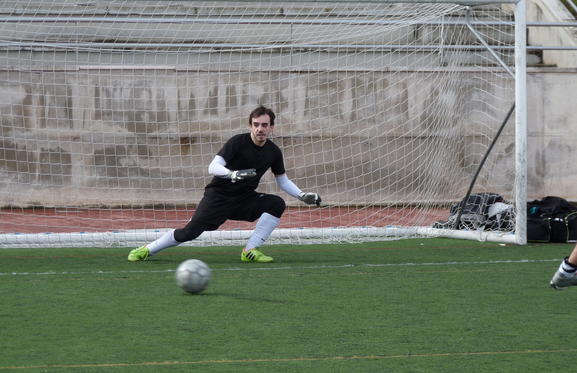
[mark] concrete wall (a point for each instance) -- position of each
(78, 142)
(551, 98)
(124, 137)
(553, 11)
(100, 135)
(552, 126)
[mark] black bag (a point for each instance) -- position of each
(549, 206)
(475, 214)
(538, 229)
(571, 221)
(556, 213)
(558, 227)
(564, 227)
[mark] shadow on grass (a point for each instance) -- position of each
(236, 296)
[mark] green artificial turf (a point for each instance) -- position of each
(421, 305)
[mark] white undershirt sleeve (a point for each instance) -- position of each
(217, 167)
(288, 186)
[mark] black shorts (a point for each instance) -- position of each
(215, 208)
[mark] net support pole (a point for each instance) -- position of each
(521, 122)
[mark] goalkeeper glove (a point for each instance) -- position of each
(310, 198)
(241, 174)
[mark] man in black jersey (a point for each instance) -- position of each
(237, 169)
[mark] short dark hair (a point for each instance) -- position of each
(262, 110)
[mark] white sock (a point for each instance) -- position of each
(165, 241)
(264, 227)
(567, 267)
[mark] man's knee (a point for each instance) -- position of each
(275, 206)
(189, 232)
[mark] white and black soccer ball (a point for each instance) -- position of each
(193, 275)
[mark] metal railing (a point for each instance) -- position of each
(572, 5)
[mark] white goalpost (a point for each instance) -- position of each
(111, 111)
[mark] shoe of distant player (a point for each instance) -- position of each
(562, 280)
(138, 254)
(253, 255)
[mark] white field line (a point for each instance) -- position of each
(290, 360)
(288, 268)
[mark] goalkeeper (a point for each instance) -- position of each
(237, 169)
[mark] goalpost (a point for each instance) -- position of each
(111, 111)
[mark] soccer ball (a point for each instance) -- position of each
(192, 275)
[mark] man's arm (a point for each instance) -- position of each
(218, 168)
(288, 186)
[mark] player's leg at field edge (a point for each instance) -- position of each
(566, 274)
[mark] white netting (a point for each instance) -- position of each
(111, 112)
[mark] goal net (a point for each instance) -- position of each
(111, 111)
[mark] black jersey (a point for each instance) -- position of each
(240, 153)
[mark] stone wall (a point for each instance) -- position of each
(75, 142)
(114, 138)
(552, 133)
(113, 129)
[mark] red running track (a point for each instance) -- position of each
(38, 220)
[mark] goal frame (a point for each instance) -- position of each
(129, 238)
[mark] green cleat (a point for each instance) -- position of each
(138, 254)
(253, 255)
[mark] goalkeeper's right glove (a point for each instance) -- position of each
(310, 198)
(241, 174)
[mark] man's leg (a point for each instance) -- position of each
(204, 219)
(566, 274)
(268, 208)
(163, 242)
(264, 227)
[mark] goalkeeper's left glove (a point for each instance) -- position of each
(239, 175)
(310, 198)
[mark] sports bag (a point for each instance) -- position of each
(480, 211)
(557, 215)
(538, 229)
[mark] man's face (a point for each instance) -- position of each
(260, 129)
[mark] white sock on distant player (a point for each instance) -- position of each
(264, 227)
(163, 242)
(567, 267)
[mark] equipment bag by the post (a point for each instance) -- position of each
(538, 229)
(480, 211)
(556, 213)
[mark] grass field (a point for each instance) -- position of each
(424, 305)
